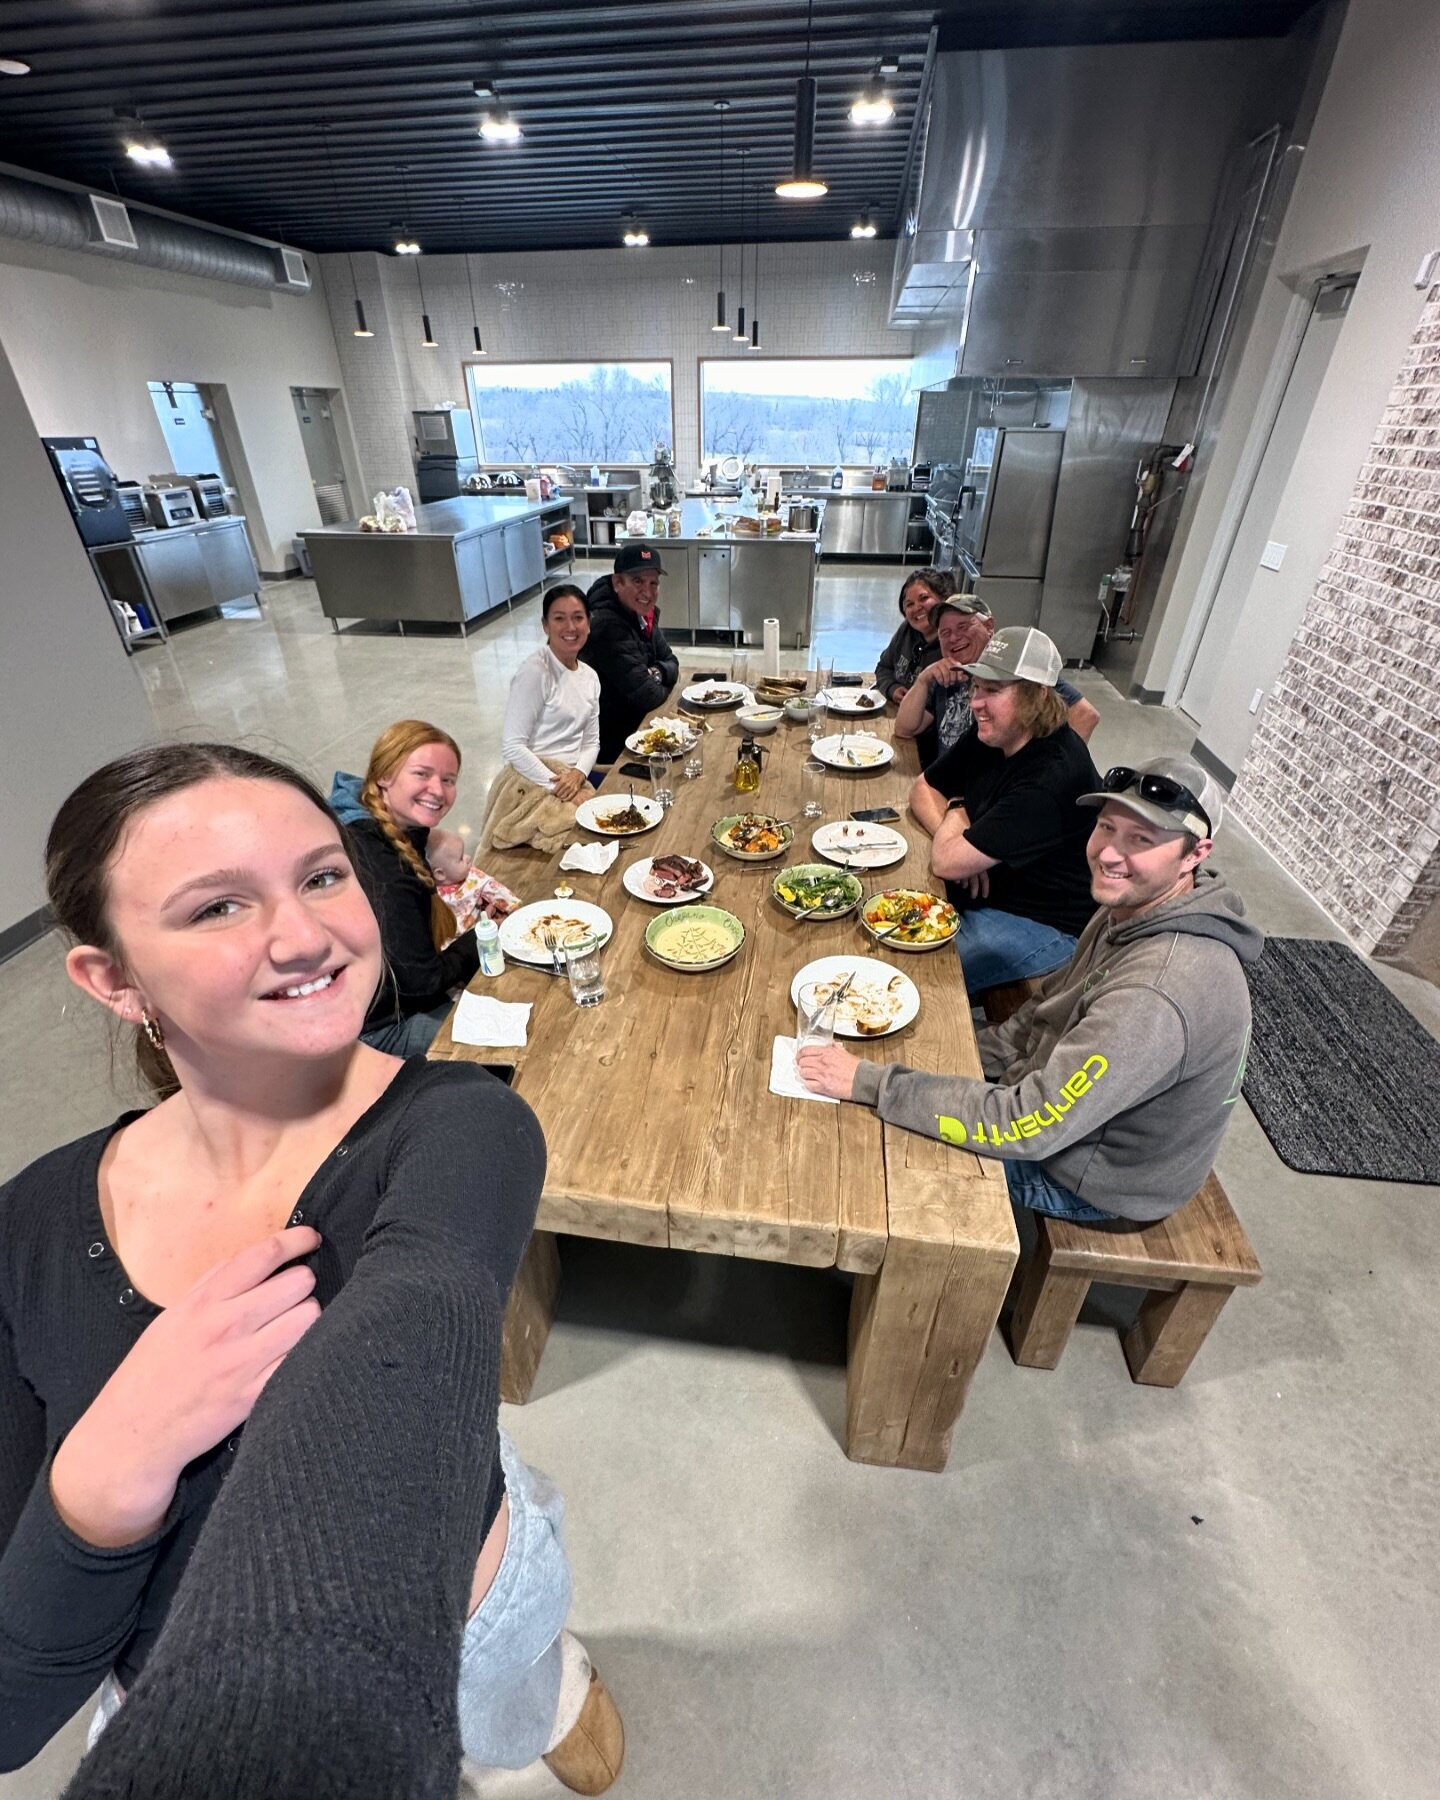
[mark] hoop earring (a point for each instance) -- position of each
(151, 1028)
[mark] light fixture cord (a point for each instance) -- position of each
(419, 279)
(335, 202)
(720, 283)
(809, 25)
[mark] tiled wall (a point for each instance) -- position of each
(820, 299)
(1342, 781)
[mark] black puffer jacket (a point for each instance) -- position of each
(622, 653)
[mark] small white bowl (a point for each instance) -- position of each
(759, 719)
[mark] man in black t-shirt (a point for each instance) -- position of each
(1009, 840)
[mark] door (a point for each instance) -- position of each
(1015, 532)
(1232, 590)
(315, 417)
(191, 431)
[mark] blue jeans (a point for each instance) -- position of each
(996, 947)
(1031, 1186)
(407, 1037)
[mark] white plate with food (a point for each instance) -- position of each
(522, 932)
(879, 1000)
(619, 815)
(717, 695)
(668, 880)
(855, 845)
(853, 750)
(857, 701)
(661, 737)
(694, 938)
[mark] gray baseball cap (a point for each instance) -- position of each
(1150, 792)
(1018, 653)
(970, 605)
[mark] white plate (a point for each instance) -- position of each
(633, 881)
(701, 693)
(847, 700)
(871, 978)
(854, 750)
(871, 846)
(520, 930)
(679, 728)
(589, 812)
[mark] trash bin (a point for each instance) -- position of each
(602, 533)
(302, 556)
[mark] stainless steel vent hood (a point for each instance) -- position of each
(1063, 202)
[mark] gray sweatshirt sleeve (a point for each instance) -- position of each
(1129, 1045)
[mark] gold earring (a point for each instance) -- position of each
(151, 1028)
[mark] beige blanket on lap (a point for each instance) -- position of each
(520, 813)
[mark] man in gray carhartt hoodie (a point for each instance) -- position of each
(1108, 1094)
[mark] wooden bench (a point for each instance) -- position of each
(1000, 1003)
(1191, 1262)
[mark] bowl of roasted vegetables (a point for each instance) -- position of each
(752, 837)
(909, 919)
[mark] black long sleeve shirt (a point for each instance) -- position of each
(417, 975)
(425, 1205)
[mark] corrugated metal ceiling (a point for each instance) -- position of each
(616, 102)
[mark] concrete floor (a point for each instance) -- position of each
(1113, 1593)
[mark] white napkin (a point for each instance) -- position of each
(784, 1080)
(590, 859)
(496, 1024)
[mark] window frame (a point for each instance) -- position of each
(776, 356)
(467, 363)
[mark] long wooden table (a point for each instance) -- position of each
(662, 1130)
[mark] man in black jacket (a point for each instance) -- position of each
(626, 647)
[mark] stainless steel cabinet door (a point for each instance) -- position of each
(710, 607)
(497, 575)
(229, 564)
(175, 569)
(524, 554)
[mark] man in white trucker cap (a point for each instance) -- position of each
(1106, 1097)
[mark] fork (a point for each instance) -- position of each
(551, 943)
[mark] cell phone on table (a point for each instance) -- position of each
(875, 815)
(641, 771)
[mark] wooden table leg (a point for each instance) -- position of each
(918, 1329)
(1160, 1346)
(1046, 1309)
(529, 1316)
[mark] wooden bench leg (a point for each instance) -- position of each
(1160, 1346)
(529, 1316)
(1003, 1002)
(918, 1328)
(1046, 1309)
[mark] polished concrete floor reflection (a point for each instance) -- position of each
(1113, 1593)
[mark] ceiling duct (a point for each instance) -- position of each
(73, 219)
(1063, 202)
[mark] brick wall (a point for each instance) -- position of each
(816, 299)
(1342, 782)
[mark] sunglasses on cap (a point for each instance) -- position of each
(1170, 796)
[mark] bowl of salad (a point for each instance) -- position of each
(909, 919)
(817, 890)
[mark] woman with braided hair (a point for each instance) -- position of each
(407, 789)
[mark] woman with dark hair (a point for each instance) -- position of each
(915, 645)
(551, 735)
(407, 789)
(250, 1338)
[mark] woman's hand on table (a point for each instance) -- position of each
(568, 784)
(827, 1069)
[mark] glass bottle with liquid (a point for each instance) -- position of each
(747, 766)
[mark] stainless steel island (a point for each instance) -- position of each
(466, 557)
(720, 586)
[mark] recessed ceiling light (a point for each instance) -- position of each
(500, 128)
(150, 154)
(11, 65)
(872, 106)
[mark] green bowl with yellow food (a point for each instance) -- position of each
(694, 938)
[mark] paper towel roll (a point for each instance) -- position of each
(772, 646)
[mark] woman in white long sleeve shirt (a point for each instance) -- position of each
(553, 713)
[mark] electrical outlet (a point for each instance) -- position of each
(1256, 698)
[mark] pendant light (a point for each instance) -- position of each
(721, 323)
(362, 330)
(474, 316)
(755, 299)
(741, 335)
(427, 342)
(802, 183)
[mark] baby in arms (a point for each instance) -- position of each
(466, 890)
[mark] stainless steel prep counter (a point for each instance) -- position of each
(720, 585)
(465, 557)
(182, 569)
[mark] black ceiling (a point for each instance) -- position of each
(616, 101)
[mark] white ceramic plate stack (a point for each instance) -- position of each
(854, 751)
(879, 994)
(589, 813)
(866, 702)
(633, 881)
(856, 845)
(521, 931)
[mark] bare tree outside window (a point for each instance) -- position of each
(571, 412)
(856, 411)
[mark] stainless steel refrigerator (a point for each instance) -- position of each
(1003, 516)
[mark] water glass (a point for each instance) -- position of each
(587, 976)
(812, 789)
(815, 1014)
(662, 781)
(818, 725)
(695, 758)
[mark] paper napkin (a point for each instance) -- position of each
(784, 1080)
(496, 1024)
(590, 859)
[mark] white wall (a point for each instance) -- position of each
(1367, 189)
(86, 334)
(816, 299)
(69, 698)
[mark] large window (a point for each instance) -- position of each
(855, 410)
(571, 412)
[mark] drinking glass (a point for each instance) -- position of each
(662, 781)
(815, 1014)
(587, 976)
(695, 758)
(818, 726)
(812, 789)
